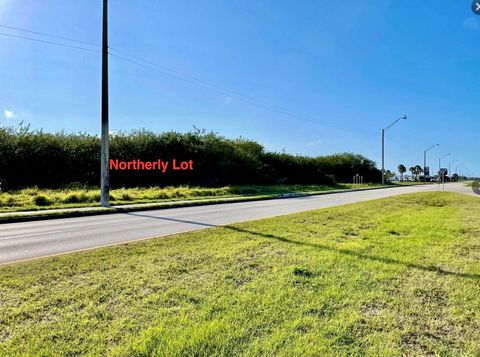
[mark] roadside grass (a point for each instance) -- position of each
(41, 199)
(408, 183)
(392, 277)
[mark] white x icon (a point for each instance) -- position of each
(478, 6)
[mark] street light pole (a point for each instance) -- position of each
(104, 169)
(464, 171)
(425, 160)
(440, 167)
(451, 162)
(456, 168)
(440, 161)
(383, 146)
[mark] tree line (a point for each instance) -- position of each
(51, 160)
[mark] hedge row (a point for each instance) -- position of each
(49, 160)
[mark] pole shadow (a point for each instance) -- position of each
(348, 252)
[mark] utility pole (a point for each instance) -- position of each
(104, 156)
(383, 157)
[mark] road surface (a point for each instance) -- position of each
(29, 240)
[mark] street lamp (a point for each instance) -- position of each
(440, 161)
(463, 171)
(425, 160)
(383, 146)
(456, 168)
(440, 167)
(451, 162)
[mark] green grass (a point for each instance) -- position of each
(409, 183)
(40, 199)
(392, 277)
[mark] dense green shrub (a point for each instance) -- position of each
(125, 197)
(76, 198)
(55, 160)
(42, 200)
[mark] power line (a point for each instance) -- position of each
(196, 80)
(178, 74)
(48, 42)
(50, 35)
(173, 73)
(191, 79)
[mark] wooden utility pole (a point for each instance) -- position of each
(104, 157)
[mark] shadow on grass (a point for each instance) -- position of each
(343, 251)
(172, 219)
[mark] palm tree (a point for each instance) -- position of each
(388, 175)
(412, 170)
(402, 169)
(418, 171)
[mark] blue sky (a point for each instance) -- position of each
(346, 69)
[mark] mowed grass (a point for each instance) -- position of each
(35, 198)
(391, 277)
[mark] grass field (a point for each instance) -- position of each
(392, 277)
(38, 199)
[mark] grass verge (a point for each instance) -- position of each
(35, 199)
(397, 276)
(41, 199)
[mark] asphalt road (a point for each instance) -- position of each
(29, 240)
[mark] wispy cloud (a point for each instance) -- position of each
(471, 24)
(315, 142)
(228, 100)
(8, 114)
